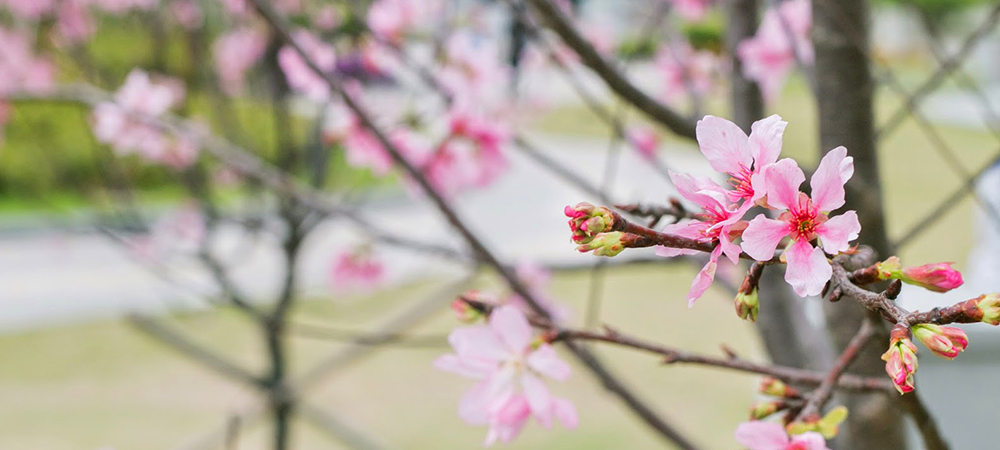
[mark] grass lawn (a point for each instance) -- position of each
(106, 384)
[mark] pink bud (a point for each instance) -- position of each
(939, 277)
(945, 342)
(901, 359)
(587, 221)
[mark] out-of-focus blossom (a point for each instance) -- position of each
(805, 220)
(760, 435)
(299, 75)
(946, 342)
(472, 70)
(187, 14)
(235, 53)
(179, 232)
(20, 68)
(392, 20)
(692, 10)
(236, 7)
(508, 365)
(327, 18)
(357, 269)
(74, 23)
(685, 71)
(29, 9)
(719, 221)
(644, 140)
(770, 54)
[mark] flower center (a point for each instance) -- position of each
(740, 182)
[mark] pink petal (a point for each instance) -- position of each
(812, 441)
(545, 361)
(763, 235)
(705, 277)
(837, 233)
(828, 181)
(729, 248)
(508, 420)
(702, 191)
(474, 408)
(782, 180)
(512, 327)
(466, 367)
(808, 269)
(765, 140)
(691, 230)
(759, 435)
(477, 342)
(539, 399)
(724, 144)
(565, 412)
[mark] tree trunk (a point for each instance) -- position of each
(845, 89)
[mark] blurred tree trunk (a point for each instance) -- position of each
(845, 90)
(787, 336)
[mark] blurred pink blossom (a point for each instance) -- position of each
(685, 71)
(187, 14)
(509, 366)
(357, 269)
(472, 70)
(29, 9)
(760, 435)
(235, 53)
(692, 10)
(644, 140)
(121, 6)
(74, 23)
(391, 20)
(299, 75)
(20, 69)
(769, 56)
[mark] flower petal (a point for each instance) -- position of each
(565, 412)
(837, 233)
(545, 361)
(812, 441)
(783, 179)
(724, 144)
(705, 277)
(512, 327)
(477, 342)
(474, 408)
(539, 399)
(699, 190)
(759, 435)
(808, 269)
(691, 230)
(762, 237)
(467, 367)
(828, 181)
(765, 140)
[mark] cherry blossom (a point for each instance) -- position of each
(730, 151)
(29, 9)
(472, 70)
(509, 367)
(644, 140)
(760, 435)
(685, 71)
(692, 10)
(391, 20)
(805, 220)
(770, 54)
(901, 359)
(299, 75)
(719, 221)
(357, 269)
(946, 342)
(235, 53)
(74, 22)
(20, 68)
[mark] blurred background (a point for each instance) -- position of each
(110, 262)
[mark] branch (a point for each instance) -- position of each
(821, 395)
(615, 80)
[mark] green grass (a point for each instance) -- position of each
(105, 384)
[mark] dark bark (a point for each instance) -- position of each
(845, 90)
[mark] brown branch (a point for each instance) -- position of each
(611, 76)
(821, 395)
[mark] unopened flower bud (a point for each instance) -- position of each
(901, 359)
(937, 277)
(762, 410)
(586, 221)
(989, 306)
(777, 388)
(464, 311)
(945, 342)
(604, 244)
(747, 305)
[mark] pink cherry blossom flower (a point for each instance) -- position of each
(685, 71)
(730, 151)
(770, 54)
(720, 222)
(20, 68)
(299, 75)
(74, 23)
(805, 220)
(760, 435)
(644, 140)
(327, 18)
(235, 53)
(391, 20)
(29, 9)
(691, 10)
(356, 270)
(502, 357)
